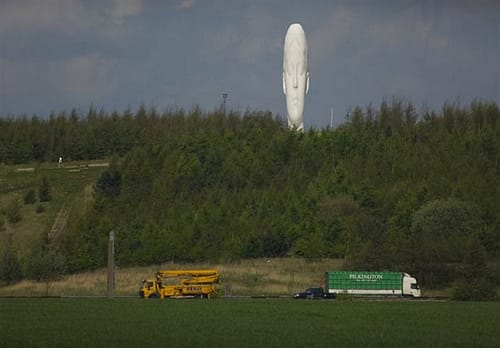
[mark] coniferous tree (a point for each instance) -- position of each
(10, 267)
(44, 190)
(30, 197)
(14, 214)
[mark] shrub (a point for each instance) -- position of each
(30, 197)
(14, 212)
(474, 290)
(10, 268)
(45, 265)
(40, 209)
(44, 190)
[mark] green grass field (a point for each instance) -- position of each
(246, 323)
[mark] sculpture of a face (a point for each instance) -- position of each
(295, 74)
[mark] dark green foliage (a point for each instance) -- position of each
(44, 194)
(40, 209)
(10, 267)
(14, 211)
(30, 197)
(479, 289)
(446, 232)
(108, 184)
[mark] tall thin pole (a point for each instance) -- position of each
(331, 128)
(224, 97)
(111, 264)
(2, 69)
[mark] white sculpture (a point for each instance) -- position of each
(295, 75)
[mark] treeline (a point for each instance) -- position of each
(76, 136)
(388, 190)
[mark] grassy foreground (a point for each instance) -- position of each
(246, 323)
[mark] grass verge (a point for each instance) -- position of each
(257, 277)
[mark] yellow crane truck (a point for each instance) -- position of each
(181, 284)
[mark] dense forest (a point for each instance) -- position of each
(389, 189)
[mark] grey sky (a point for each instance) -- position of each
(60, 54)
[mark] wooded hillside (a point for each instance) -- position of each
(389, 189)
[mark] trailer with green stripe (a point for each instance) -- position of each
(371, 283)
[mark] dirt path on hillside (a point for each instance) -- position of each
(68, 167)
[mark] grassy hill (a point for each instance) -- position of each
(70, 188)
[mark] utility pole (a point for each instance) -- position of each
(2, 69)
(111, 264)
(331, 129)
(224, 97)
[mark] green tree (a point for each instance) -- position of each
(108, 184)
(30, 197)
(45, 264)
(14, 211)
(10, 267)
(443, 232)
(44, 194)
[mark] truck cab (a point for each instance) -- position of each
(148, 289)
(410, 286)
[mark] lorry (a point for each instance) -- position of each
(371, 283)
(181, 284)
(313, 293)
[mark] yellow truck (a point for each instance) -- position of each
(181, 284)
